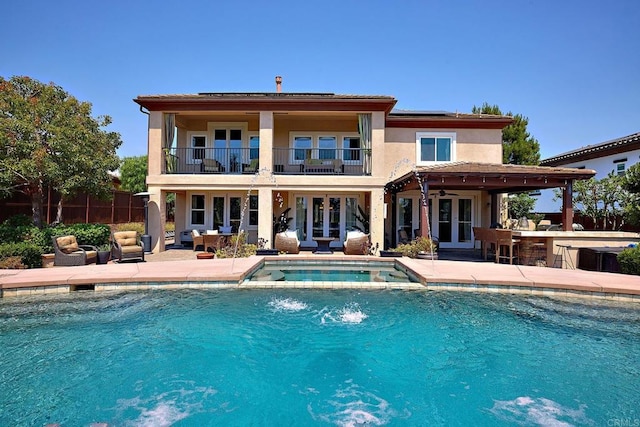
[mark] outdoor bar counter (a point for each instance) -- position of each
(561, 248)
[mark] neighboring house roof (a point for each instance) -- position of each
(273, 101)
(608, 148)
(495, 178)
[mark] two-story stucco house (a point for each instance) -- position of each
(336, 162)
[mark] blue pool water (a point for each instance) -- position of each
(337, 271)
(280, 357)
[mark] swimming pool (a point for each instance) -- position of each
(287, 357)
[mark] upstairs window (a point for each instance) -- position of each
(198, 148)
(435, 147)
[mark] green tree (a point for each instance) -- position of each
(520, 205)
(603, 200)
(48, 138)
(518, 146)
(133, 174)
(631, 183)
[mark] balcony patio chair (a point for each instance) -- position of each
(68, 252)
(356, 243)
(287, 241)
(211, 166)
(251, 167)
(126, 245)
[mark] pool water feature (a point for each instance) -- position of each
(292, 357)
(335, 271)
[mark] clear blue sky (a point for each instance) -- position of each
(571, 66)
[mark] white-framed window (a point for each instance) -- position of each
(198, 145)
(197, 209)
(620, 169)
(253, 211)
(325, 146)
(351, 152)
(433, 147)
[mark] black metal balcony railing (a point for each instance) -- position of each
(289, 161)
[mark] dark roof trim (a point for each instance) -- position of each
(266, 102)
(495, 178)
(616, 146)
(442, 119)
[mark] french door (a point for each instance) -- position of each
(324, 216)
(453, 221)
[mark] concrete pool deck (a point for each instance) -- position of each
(163, 271)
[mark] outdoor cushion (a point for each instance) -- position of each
(67, 244)
(126, 238)
(195, 233)
(293, 234)
(211, 232)
(225, 229)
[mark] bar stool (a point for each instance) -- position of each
(505, 240)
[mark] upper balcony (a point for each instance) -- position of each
(286, 161)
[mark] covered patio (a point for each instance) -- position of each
(489, 181)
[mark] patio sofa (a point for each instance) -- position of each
(322, 166)
(356, 243)
(287, 241)
(126, 245)
(68, 252)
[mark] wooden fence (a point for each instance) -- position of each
(123, 207)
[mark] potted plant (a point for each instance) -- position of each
(262, 248)
(104, 254)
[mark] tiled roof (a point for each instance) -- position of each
(619, 145)
(498, 178)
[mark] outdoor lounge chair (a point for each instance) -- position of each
(211, 166)
(251, 167)
(356, 243)
(126, 245)
(68, 252)
(287, 241)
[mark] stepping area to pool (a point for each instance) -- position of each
(228, 273)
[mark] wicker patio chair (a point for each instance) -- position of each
(68, 252)
(198, 239)
(356, 243)
(287, 241)
(126, 245)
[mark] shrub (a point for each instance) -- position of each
(12, 263)
(411, 249)
(29, 253)
(130, 226)
(629, 261)
(16, 228)
(244, 249)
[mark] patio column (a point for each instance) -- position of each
(376, 225)
(424, 209)
(266, 140)
(155, 160)
(157, 218)
(265, 214)
(567, 207)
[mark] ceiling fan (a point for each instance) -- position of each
(443, 193)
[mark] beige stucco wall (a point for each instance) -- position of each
(472, 145)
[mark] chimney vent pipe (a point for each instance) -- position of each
(278, 84)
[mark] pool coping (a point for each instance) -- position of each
(227, 273)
